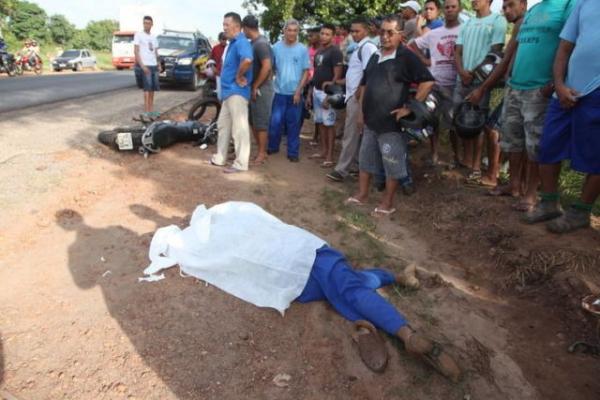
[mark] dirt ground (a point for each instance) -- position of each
(75, 323)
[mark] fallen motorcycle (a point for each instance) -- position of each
(152, 136)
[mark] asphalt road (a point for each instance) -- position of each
(28, 91)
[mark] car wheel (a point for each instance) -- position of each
(77, 67)
(57, 70)
(193, 86)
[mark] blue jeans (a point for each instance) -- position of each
(352, 293)
(285, 114)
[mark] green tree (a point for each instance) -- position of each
(274, 13)
(100, 33)
(80, 40)
(28, 20)
(61, 30)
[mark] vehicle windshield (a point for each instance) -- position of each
(175, 43)
(123, 39)
(70, 53)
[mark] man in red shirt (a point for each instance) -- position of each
(217, 52)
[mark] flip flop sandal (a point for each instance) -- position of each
(437, 358)
(378, 212)
(371, 347)
(474, 178)
(315, 156)
(327, 164)
(354, 200)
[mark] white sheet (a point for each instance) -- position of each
(241, 249)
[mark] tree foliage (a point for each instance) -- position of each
(100, 33)
(28, 20)
(61, 30)
(274, 13)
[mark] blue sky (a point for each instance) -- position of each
(205, 15)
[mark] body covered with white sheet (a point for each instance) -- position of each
(241, 249)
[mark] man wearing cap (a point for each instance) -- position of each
(410, 11)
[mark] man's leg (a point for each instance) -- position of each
(369, 163)
(330, 142)
(277, 117)
(468, 151)
(147, 107)
(151, 101)
(240, 130)
(392, 146)
(554, 147)
(493, 150)
(584, 150)
(355, 299)
(224, 126)
(350, 140)
(293, 119)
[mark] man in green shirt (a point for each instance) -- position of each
(531, 49)
(477, 38)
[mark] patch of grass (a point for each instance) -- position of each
(571, 183)
(104, 60)
(359, 220)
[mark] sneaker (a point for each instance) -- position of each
(293, 159)
(335, 176)
(571, 220)
(544, 211)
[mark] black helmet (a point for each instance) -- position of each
(336, 96)
(423, 115)
(469, 120)
(489, 63)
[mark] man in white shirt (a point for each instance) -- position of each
(359, 59)
(146, 57)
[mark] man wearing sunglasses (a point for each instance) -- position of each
(383, 94)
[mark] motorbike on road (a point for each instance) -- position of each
(27, 63)
(7, 60)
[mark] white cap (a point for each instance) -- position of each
(412, 4)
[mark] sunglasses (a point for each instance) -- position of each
(388, 32)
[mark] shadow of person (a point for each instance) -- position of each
(192, 336)
(145, 212)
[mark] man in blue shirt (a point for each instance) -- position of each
(291, 65)
(572, 126)
(236, 80)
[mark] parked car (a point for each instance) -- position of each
(75, 60)
(178, 52)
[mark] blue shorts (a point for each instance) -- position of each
(573, 134)
(148, 82)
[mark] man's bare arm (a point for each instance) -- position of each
(566, 95)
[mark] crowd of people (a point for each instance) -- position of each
(548, 68)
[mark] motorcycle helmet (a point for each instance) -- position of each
(336, 96)
(489, 63)
(423, 114)
(469, 120)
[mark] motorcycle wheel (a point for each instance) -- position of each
(205, 110)
(11, 70)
